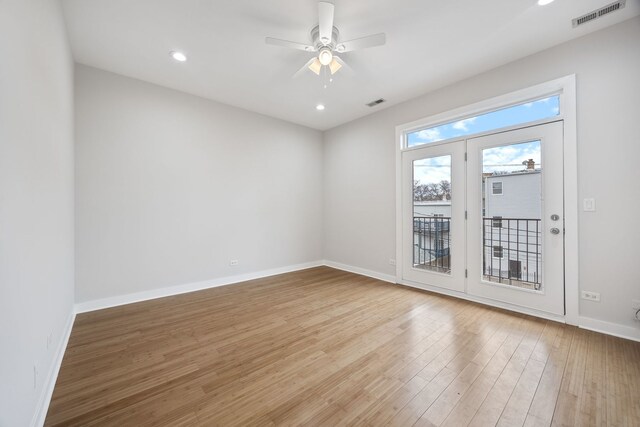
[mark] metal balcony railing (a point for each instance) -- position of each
(431, 243)
(512, 251)
(512, 248)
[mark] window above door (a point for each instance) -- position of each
(526, 112)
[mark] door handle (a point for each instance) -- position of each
(555, 230)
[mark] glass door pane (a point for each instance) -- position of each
(512, 206)
(432, 214)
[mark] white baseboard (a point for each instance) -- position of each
(47, 391)
(362, 271)
(615, 329)
(115, 301)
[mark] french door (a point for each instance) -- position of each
(490, 226)
(433, 215)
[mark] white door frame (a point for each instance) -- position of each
(457, 245)
(565, 87)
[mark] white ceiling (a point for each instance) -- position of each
(430, 43)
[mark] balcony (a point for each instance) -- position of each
(431, 243)
(512, 251)
(431, 224)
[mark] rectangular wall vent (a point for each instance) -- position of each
(598, 13)
(376, 102)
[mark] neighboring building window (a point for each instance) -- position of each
(509, 116)
(496, 222)
(496, 188)
(497, 252)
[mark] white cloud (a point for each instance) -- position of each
(464, 124)
(432, 170)
(496, 159)
(429, 135)
(538, 101)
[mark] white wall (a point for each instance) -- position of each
(171, 187)
(360, 164)
(36, 201)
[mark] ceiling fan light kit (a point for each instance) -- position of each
(325, 40)
(334, 66)
(325, 56)
(315, 66)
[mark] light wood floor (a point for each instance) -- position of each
(325, 347)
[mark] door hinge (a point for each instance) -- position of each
(466, 273)
(465, 214)
(465, 156)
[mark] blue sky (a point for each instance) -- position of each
(507, 158)
(523, 113)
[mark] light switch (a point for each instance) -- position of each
(589, 205)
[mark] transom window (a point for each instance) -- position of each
(517, 114)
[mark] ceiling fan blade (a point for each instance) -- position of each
(362, 43)
(325, 21)
(315, 66)
(334, 66)
(304, 68)
(287, 43)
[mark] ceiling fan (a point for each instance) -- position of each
(325, 40)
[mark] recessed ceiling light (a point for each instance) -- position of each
(178, 56)
(544, 2)
(319, 107)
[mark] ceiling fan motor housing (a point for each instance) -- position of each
(318, 44)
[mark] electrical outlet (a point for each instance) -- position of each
(591, 296)
(392, 261)
(233, 262)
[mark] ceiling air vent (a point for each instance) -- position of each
(598, 13)
(376, 102)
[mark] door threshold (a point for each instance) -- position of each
(485, 301)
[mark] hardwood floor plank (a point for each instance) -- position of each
(470, 402)
(444, 404)
(496, 400)
(327, 347)
(544, 401)
(515, 412)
